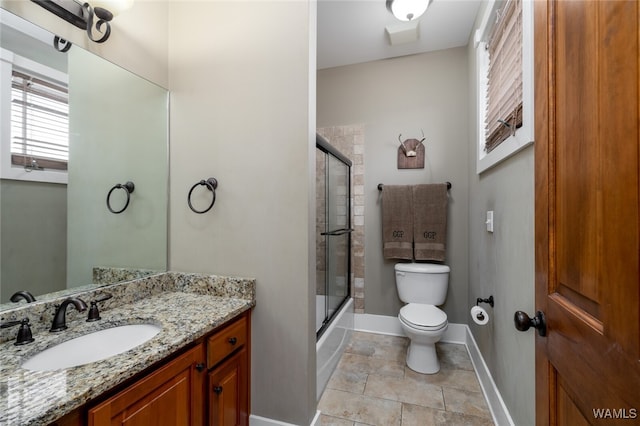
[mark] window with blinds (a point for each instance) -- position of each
(504, 78)
(39, 123)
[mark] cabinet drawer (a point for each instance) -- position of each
(225, 341)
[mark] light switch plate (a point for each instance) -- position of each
(489, 221)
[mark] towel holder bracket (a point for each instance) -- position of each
(380, 186)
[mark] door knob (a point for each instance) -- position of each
(523, 322)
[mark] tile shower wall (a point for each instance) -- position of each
(349, 140)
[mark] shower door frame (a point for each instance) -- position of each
(323, 145)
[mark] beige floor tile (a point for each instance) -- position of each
(403, 390)
(452, 355)
(334, 421)
(361, 336)
(359, 408)
(472, 403)
(349, 381)
(354, 363)
(372, 386)
(450, 378)
(414, 415)
(378, 345)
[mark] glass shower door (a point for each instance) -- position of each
(333, 208)
(338, 234)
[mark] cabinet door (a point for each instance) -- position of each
(228, 392)
(171, 396)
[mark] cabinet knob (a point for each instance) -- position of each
(200, 366)
(233, 340)
(217, 390)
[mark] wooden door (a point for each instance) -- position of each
(170, 396)
(587, 211)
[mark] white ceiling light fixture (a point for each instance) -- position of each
(407, 10)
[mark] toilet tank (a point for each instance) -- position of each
(422, 282)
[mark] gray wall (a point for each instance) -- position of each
(241, 96)
(243, 110)
(404, 95)
(34, 237)
(437, 92)
(228, 82)
(502, 264)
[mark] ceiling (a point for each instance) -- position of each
(353, 31)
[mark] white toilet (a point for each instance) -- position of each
(422, 286)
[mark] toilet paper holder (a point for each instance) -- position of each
(481, 300)
(480, 315)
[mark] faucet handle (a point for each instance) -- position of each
(94, 313)
(24, 332)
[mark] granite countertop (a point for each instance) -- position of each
(33, 397)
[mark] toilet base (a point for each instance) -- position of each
(422, 358)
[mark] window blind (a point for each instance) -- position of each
(504, 87)
(39, 122)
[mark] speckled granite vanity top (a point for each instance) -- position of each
(187, 306)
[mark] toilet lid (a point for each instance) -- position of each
(423, 316)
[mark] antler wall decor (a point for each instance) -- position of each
(411, 153)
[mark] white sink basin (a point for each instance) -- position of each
(92, 347)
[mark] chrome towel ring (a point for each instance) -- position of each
(211, 185)
(128, 187)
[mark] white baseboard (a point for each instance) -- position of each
(263, 421)
(496, 404)
(316, 419)
(383, 324)
(379, 324)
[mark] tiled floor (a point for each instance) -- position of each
(373, 386)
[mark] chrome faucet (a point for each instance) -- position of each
(59, 319)
(22, 294)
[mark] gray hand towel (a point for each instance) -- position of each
(430, 221)
(397, 222)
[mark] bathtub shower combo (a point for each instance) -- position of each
(334, 307)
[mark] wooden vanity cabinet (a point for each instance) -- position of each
(208, 384)
(171, 395)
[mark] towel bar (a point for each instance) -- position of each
(381, 185)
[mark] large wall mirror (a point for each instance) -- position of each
(73, 127)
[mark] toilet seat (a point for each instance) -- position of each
(423, 317)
